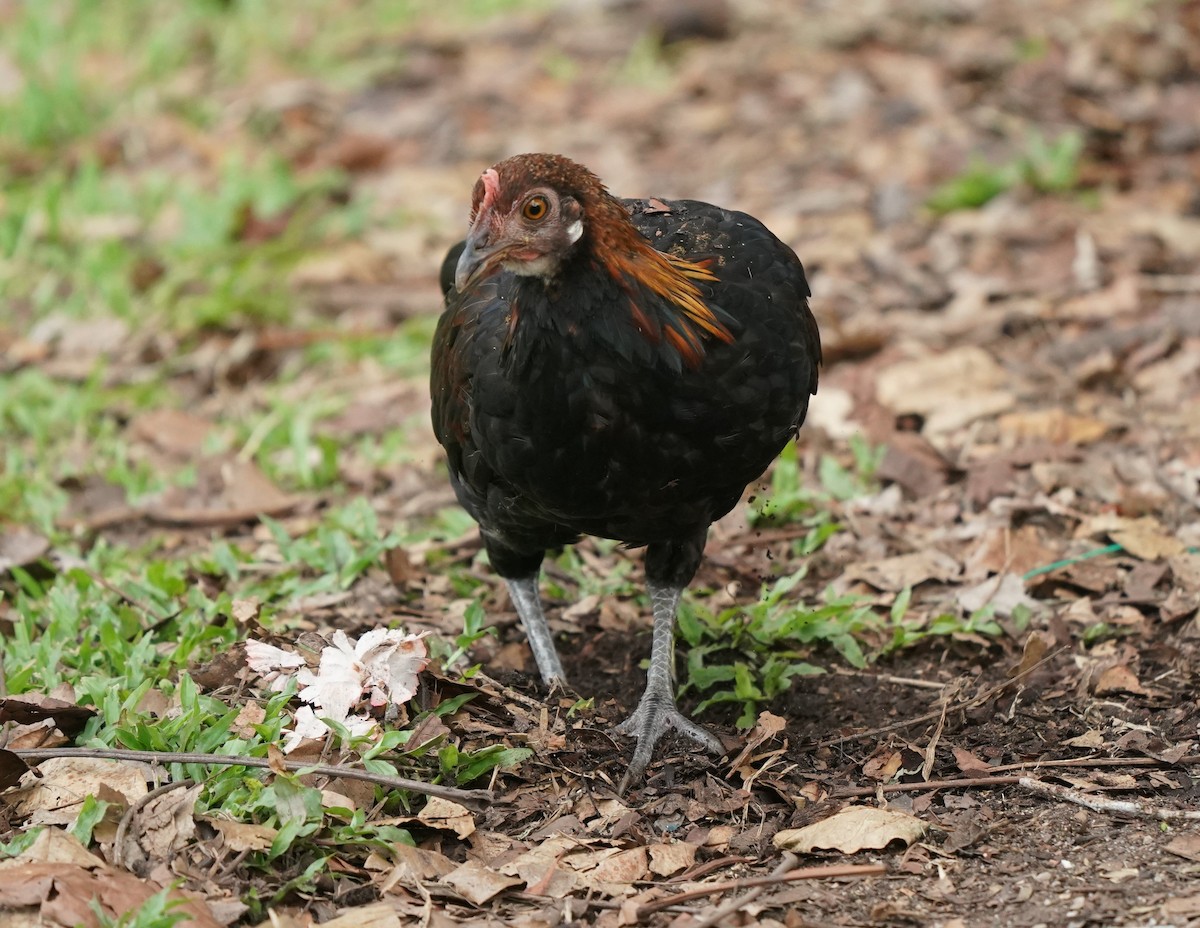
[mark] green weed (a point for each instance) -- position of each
(159, 911)
(980, 183)
(1045, 166)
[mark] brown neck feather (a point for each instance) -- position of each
(632, 260)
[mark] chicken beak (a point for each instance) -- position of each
(478, 259)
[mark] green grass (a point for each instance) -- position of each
(166, 251)
(85, 64)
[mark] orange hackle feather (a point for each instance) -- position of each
(630, 259)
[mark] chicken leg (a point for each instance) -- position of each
(528, 601)
(657, 712)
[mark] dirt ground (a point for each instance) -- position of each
(1031, 366)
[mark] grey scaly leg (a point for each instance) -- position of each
(657, 712)
(525, 596)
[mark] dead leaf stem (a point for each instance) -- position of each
(1102, 804)
(788, 863)
(132, 812)
(834, 872)
(930, 716)
(1004, 779)
(471, 798)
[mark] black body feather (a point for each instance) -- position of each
(564, 412)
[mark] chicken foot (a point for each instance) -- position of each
(657, 712)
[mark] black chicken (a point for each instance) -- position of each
(621, 368)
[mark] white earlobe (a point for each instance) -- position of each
(575, 230)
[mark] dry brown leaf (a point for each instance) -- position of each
(332, 799)
(967, 409)
(76, 343)
(893, 574)
(1119, 679)
(248, 716)
(883, 764)
(95, 504)
(53, 846)
(1036, 646)
(621, 868)
(245, 611)
(1004, 593)
(1181, 906)
(668, 859)
(42, 734)
(242, 836)
(448, 816)
(911, 462)
(68, 895)
(1090, 740)
(1185, 846)
(766, 727)
(1185, 569)
(375, 915)
(30, 708)
(65, 782)
(1053, 425)
(832, 414)
(227, 492)
(20, 547)
(12, 768)
(1117, 299)
(968, 763)
(924, 384)
(477, 883)
(1122, 874)
(1144, 538)
(545, 869)
(172, 431)
(353, 262)
(421, 863)
(158, 829)
(853, 829)
(951, 389)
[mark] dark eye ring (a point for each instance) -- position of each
(535, 208)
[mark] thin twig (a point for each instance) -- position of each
(132, 599)
(789, 862)
(696, 871)
(890, 678)
(132, 812)
(508, 692)
(931, 748)
(854, 792)
(1100, 762)
(1100, 804)
(804, 873)
(471, 798)
(930, 716)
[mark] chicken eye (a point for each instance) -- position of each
(535, 208)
